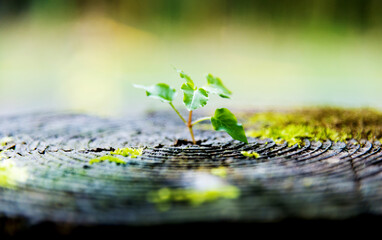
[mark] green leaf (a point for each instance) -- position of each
(188, 78)
(194, 98)
(215, 85)
(160, 91)
(224, 120)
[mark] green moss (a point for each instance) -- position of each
(165, 196)
(319, 124)
(219, 171)
(128, 152)
(107, 158)
(125, 152)
(250, 154)
(10, 174)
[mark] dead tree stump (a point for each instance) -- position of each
(321, 180)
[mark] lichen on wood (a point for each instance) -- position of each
(128, 152)
(125, 152)
(318, 124)
(10, 174)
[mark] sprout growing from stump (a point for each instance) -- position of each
(195, 98)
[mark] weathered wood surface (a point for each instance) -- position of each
(322, 180)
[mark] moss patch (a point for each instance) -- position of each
(319, 124)
(107, 158)
(10, 174)
(219, 171)
(250, 154)
(125, 152)
(165, 196)
(128, 152)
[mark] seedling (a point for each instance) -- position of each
(195, 98)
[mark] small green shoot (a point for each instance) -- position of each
(195, 98)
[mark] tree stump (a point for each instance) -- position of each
(319, 181)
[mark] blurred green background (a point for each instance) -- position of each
(84, 56)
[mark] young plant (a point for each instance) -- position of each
(195, 98)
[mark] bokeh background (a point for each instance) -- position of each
(84, 55)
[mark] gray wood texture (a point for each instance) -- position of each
(322, 180)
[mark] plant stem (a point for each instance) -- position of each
(189, 125)
(200, 120)
(177, 112)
